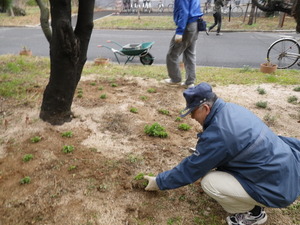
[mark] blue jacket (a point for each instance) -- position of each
(234, 140)
(185, 12)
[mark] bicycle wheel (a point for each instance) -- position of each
(284, 52)
(170, 7)
(147, 59)
(237, 11)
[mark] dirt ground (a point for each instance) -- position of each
(95, 183)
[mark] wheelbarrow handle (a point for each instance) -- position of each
(110, 41)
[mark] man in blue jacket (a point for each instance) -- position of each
(244, 166)
(186, 14)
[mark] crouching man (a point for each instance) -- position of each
(244, 166)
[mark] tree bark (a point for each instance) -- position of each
(44, 19)
(68, 54)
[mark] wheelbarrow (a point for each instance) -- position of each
(132, 50)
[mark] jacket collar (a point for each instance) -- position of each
(217, 106)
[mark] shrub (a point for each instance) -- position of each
(261, 104)
(261, 91)
(156, 130)
(292, 99)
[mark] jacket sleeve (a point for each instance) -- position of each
(208, 155)
(292, 142)
(181, 15)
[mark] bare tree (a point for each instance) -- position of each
(68, 54)
(291, 8)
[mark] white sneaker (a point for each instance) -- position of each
(207, 31)
(247, 218)
(170, 82)
(187, 86)
(219, 34)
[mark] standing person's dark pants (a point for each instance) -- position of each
(218, 21)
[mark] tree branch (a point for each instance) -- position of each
(44, 19)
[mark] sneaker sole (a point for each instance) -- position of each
(261, 222)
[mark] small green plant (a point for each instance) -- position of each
(269, 119)
(261, 91)
(174, 220)
(79, 95)
(133, 110)
(246, 68)
(68, 148)
(25, 180)
(100, 88)
(296, 88)
(151, 90)
(184, 126)
(292, 99)
(156, 130)
(27, 157)
(114, 85)
(67, 134)
(261, 104)
(103, 96)
(35, 139)
(93, 83)
(140, 176)
(144, 98)
(164, 111)
(72, 167)
(178, 119)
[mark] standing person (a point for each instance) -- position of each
(244, 166)
(217, 17)
(185, 15)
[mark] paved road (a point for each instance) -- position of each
(233, 49)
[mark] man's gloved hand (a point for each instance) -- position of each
(178, 38)
(152, 185)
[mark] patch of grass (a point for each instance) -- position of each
(67, 134)
(261, 104)
(269, 119)
(261, 91)
(292, 99)
(68, 149)
(133, 110)
(144, 98)
(151, 90)
(35, 139)
(184, 127)
(103, 96)
(164, 111)
(25, 180)
(114, 85)
(297, 88)
(178, 119)
(155, 130)
(27, 157)
(72, 167)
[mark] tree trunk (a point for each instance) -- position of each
(68, 54)
(252, 14)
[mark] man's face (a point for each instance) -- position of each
(200, 113)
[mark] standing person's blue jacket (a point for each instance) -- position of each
(238, 142)
(185, 12)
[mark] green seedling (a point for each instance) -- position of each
(103, 96)
(134, 110)
(79, 95)
(151, 90)
(269, 119)
(156, 130)
(144, 98)
(93, 84)
(72, 167)
(292, 99)
(114, 85)
(100, 88)
(140, 178)
(184, 126)
(27, 157)
(67, 134)
(261, 91)
(25, 180)
(178, 119)
(261, 104)
(164, 111)
(68, 149)
(296, 88)
(36, 139)
(79, 91)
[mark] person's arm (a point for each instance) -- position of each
(181, 15)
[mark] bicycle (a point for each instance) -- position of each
(161, 7)
(171, 7)
(135, 6)
(284, 52)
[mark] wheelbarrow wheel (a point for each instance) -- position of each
(146, 59)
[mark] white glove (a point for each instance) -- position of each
(152, 185)
(178, 38)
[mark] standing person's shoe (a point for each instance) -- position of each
(187, 85)
(207, 31)
(170, 82)
(219, 34)
(247, 218)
